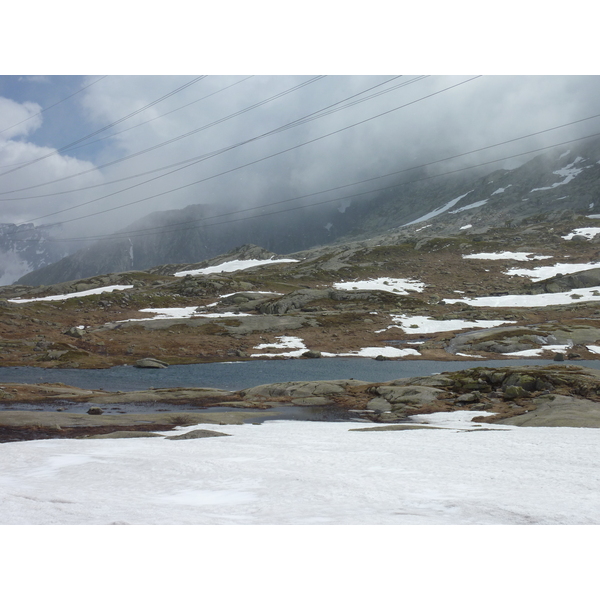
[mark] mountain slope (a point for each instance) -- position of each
(565, 179)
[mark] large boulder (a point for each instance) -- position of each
(150, 363)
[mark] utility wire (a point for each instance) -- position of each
(132, 233)
(310, 117)
(135, 112)
(106, 137)
(55, 104)
(240, 166)
(166, 142)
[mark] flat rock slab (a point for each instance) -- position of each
(559, 411)
(400, 427)
(27, 418)
(312, 401)
(123, 434)
(196, 434)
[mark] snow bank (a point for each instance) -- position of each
(438, 211)
(186, 312)
(588, 232)
(93, 292)
(296, 348)
(505, 256)
(310, 473)
(469, 206)
(234, 265)
(540, 273)
(429, 325)
(569, 173)
(396, 286)
(374, 351)
(572, 297)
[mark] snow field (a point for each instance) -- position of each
(429, 325)
(522, 256)
(515, 300)
(286, 472)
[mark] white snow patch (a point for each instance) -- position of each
(420, 325)
(295, 344)
(501, 190)
(469, 206)
(301, 473)
(540, 273)
(538, 351)
(580, 295)
(186, 312)
(522, 256)
(93, 292)
(588, 232)
(466, 226)
(569, 173)
(396, 286)
(438, 211)
(373, 351)
(234, 265)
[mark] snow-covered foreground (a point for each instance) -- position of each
(286, 472)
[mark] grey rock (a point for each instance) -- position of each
(95, 410)
(413, 395)
(311, 354)
(196, 434)
(75, 332)
(312, 401)
(379, 404)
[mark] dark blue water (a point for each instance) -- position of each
(241, 375)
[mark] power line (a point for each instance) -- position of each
(165, 229)
(55, 104)
(240, 166)
(124, 131)
(122, 159)
(135, 112)
(310, 117)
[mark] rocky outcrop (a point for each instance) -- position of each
(514, 339)
(565, 283)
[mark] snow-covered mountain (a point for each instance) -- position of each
(552, 187)
(24, 248)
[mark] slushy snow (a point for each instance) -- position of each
(310, 473)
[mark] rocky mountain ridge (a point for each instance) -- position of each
(553, 187)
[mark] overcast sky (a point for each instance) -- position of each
(428, 118)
